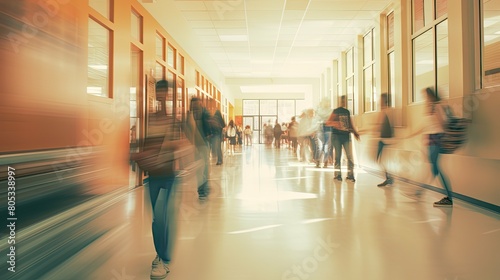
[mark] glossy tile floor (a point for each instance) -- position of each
(270, 217)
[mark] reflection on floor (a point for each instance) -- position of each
(271, 217)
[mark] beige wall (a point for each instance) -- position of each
(471, 170)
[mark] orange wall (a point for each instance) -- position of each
(43, 78)
(44, 104)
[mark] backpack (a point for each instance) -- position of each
(455, 132)
(165, 148)
(231, 131)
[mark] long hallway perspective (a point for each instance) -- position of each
(269, 216)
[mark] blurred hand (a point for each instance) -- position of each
(356, 135)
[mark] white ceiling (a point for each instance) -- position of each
(258, 39)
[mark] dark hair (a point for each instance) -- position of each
(161, 90)
(162, 84)
(385, 99)
(432, 94)
(193, 104)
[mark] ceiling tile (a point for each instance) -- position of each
(196, 15)
(264, 17)
(217, 44)
(227, 15)
(231, 31)
(201, 24)
(300, 5)
(259, 5)
(316, 24)
(376, 6)
(336, 5)
(366, 15)
(218, 55)
(223, 6)
(293, 15)
(241, 44)
(285, 43)
(230, 24)
(330, 15)
(205, 31)
(362, 23)
(285, 38)
(205, 38)
(238, 55)
(190, 5)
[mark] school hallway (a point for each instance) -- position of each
(268, 217)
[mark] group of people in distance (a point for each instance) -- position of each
(326, 132)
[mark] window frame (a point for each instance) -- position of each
(429, 25)
(349, 79)
(110, 65)
(369, 64)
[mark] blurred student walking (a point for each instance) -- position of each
(386, 133)
(324, 149)
(217, 136)
(433, 129)
(306, 132)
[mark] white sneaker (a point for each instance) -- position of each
(156, 261)
(159, 270)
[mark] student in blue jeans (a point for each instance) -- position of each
(163, 192)
(156, 158)
(342, 127)
(433, 129)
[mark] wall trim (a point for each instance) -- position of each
(476, 202)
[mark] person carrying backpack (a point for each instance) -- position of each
(217, 136)
(200, 128)
(386, 133)
(231, 135)
(162, 155)
(433, 129)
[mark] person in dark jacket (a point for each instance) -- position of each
(217, 128)
(277, 134)
(342, 127)
(202, 120)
